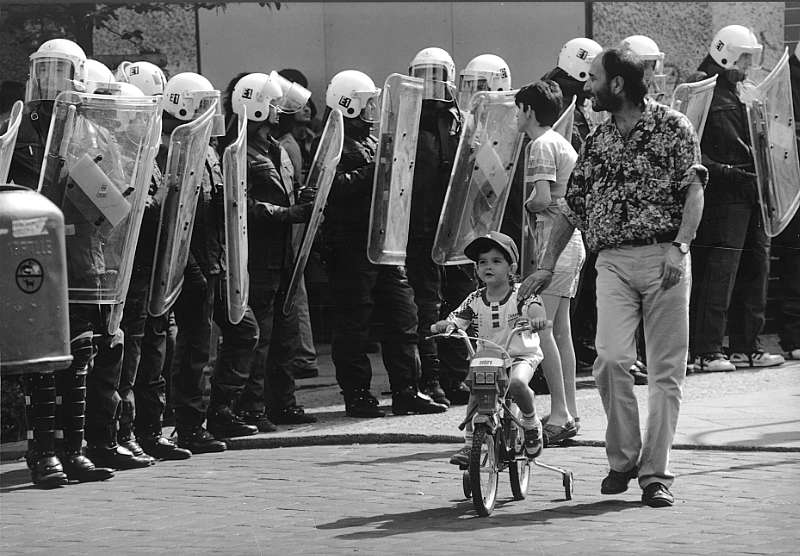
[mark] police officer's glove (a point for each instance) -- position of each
(299, 213)
(306, 195)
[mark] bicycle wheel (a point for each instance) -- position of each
(483, 472)
(519, 472)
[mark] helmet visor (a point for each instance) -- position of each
(469, 85)
(436, 82)
(49, 77)
(755, 53)
(295, 96)
(371, 111)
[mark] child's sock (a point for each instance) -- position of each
(468, 439)
(530, 421)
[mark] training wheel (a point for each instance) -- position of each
(569, 484)
(465, 485)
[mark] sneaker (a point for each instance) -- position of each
(712, 363)
(222, 422)
(794, 354)
(639, 372)
(657, 495)
(616, 482)
(756, 359)
(433, 389)
(361, 403)
(533, 441)
(461, 458)
(555, 434)
(199, 441)
(258, 419)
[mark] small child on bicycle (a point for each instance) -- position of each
(490, 313)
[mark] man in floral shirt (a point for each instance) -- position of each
(637, 195)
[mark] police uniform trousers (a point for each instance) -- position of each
(270, 384)
(438, 290)
(730, 257)
(360, 291)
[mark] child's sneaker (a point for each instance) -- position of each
(712, 363)
(461, 458)
(757, 359)
(794, 354)
(533, 441)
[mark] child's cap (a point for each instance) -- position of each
(492, 239)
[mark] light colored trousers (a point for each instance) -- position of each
(629, 291)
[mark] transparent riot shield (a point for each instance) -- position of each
(234, 170)
(182, 178)
(694, 100)
(481, 177)
(527, 248)
(772, 135)
(9, 139)
(97, 168)
(320, 177)
(390, 213)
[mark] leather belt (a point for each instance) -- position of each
(666, 237)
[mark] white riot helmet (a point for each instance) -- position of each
(647, 49)
(435, 66)
(486, 72)
(576, 56)
(355, 95)
(58, 65)
(259, 94)
(188, 95)
(731, 42)
(98, 76)
(148, 77)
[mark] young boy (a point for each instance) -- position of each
(490, 313)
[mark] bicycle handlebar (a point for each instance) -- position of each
(522, 326)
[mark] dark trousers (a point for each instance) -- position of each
(786, 247)
(142, 385)
(270, 383)
(730, 263)
(583, 313)
(358, 288)
(438, 290)
(194, 314)
(102, 381)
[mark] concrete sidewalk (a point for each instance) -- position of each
(743, 410)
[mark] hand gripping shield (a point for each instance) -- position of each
(9, 139)
(772, 135)
(390, 213)
(527, 248)
(481, 177)
(694, 100)
(320, 178)
(97, 167)
(182, 178)
(234, 170)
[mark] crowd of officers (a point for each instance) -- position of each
(115, 387)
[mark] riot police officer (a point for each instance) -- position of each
(437, 290)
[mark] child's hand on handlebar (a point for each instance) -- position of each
(540, 323)
(442, 327)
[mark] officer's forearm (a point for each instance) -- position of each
(559, 237)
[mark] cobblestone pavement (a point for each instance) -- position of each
(401, 499)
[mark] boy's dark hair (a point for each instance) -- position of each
(629, 66)
(544, 97)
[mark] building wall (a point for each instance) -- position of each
(321, 39)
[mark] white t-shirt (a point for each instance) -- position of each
(494, 320)
(552, 158)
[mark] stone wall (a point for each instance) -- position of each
(684, 30)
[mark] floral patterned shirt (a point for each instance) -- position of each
(631, 188)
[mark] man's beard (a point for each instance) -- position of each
(605, 101)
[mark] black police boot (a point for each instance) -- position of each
(361, 403)
(222, 422)
(198, 440)
(458, 393)
(127, 440)
(106, 452)
(432, 388)
(409, 400)
(162, 448)
(72, 386)
(46, 468)
(258, 419)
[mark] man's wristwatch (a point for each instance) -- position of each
(682, 247)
